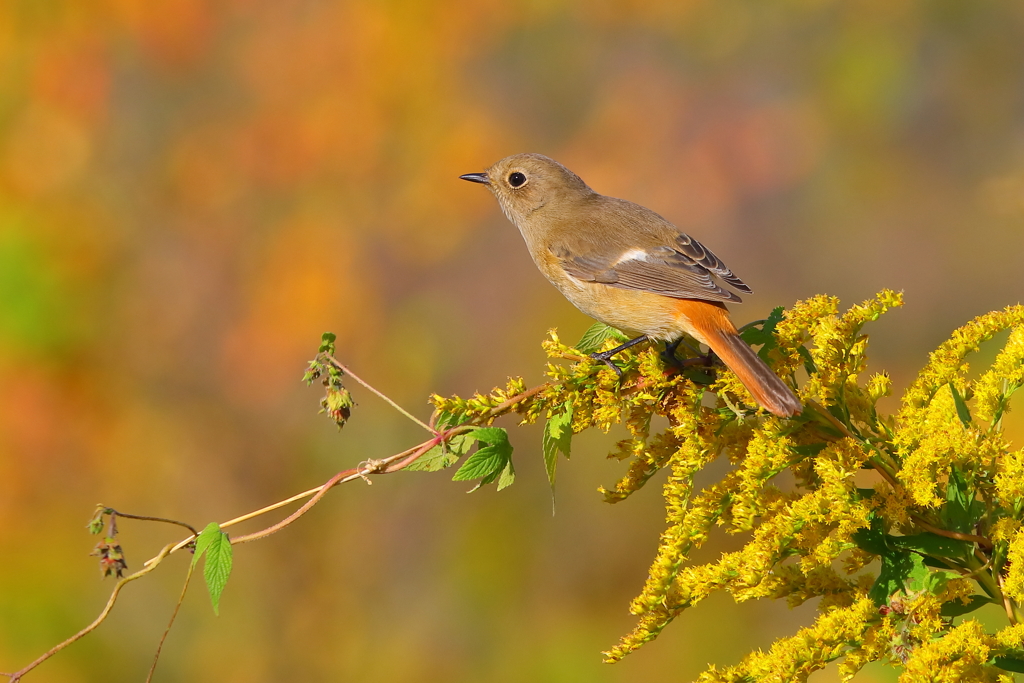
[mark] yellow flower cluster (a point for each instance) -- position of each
(946, 363)
(1002, 379)
(934, 440)
(933, 495)
(1014, 582)
(796, 657)
(961, 654)
(839, 351)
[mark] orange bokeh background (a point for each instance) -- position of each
(191, 192)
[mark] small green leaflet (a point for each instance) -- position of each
(906, 560)
(443, 454)
(216, 546)
(962, 511)
(928, 543)
(809, 365)
(764, 336)
(557, 437)
(594, 338)
(899, 571)
(490, 462)
(961, 406)
(956, 608)
(327, 340)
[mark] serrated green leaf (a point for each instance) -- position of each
(961, 511)
(873, 538)
(754, 335)
(507, 476)
(489, 479)
(492, 435)
(936, 581)
(488, 461)
(898, 569)
(594, 338)
(215, 546)
(446, 420)
(327, 340)
(203, 541)
(557, 437)
(763, 335)
(961, 406)
(443, 454)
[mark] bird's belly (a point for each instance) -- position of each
(633, 311)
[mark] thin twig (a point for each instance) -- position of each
(392, 463)
(337, 364)
(154, 563)
(1007, 605)
(174, 614)
(147, 518)
(339, 478)
(939, 531)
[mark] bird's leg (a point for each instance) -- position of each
(670, 358)
(606, 356)
(669, 354)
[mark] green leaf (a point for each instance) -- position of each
(557, 437)
(809, 365)
(444, 454)
(873, 538)
(919, 575)
(811, 449)
(931, 544)
(935, 581)
(961, 406)
(508, 475)
(488, 461)
(763, 335)
(446, 420)
(98, 521)
(495, 436)
(962, 511)
(698, 376)
(956, 608)
(327, 340)
(1010, 664)
(215, 545)
(898, 570)
(313, 372)
(594, 338)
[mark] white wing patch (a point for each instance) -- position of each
(632, 255)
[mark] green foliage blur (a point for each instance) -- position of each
(191, 191)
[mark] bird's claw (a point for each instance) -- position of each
(605, 358)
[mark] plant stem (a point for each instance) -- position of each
(344, 369)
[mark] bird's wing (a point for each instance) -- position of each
(685, 269)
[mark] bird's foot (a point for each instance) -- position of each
(606, 356)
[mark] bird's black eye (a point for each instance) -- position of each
(516, 179)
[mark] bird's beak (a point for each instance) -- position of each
(476, 178)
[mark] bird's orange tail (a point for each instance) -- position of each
(720, 334)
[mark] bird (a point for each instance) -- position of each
(627, 267)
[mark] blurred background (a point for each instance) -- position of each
(191, 192)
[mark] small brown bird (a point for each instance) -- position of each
(628, 267)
